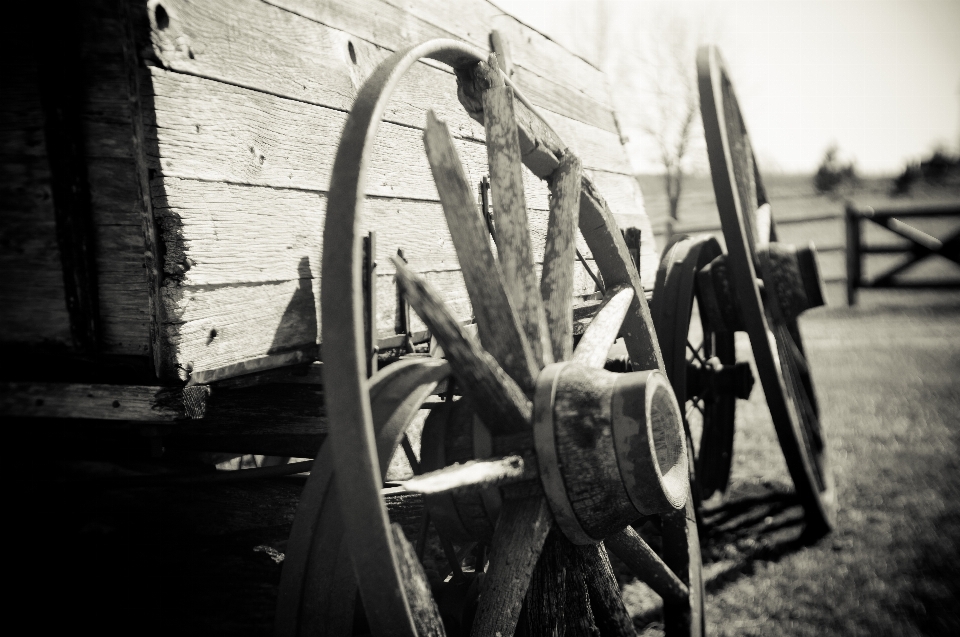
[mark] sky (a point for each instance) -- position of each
(878, 78)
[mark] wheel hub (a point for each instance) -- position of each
(715, 379)
(610, 448)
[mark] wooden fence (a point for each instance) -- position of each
(919, 246)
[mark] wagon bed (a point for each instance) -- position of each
(202, 144)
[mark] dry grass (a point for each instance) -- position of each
(888, 378)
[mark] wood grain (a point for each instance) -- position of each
(545, 68)
(31, 288)
(583, 421)
(426, 615)
(517, 542)
(473, 475)
(498, 314)
(606, 599)
(601, 233)
(647, 565)
(102, 402)
(556, 283)
(510, 216)
(219, 132)
(61, 97)
(211, 242)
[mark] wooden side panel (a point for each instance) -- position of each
(31, 273)
(111, 176)
(32, 306)
(244, 118)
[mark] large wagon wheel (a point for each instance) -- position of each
(767, 310)
(700, 360)
(578, 449)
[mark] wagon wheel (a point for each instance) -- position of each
(700, 360)
(764, 309)
(554, 416)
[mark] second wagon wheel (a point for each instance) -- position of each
(700, 360)
(767, 296)
(569, 453)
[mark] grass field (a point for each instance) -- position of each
(888, 378)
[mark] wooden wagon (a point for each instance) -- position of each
(174, 172)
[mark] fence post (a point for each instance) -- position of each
(852, 217)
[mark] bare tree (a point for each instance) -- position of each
(671, 116)
(655, 86)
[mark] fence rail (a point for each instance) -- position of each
(920, 245)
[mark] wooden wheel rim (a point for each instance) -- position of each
(341, 307)
(720, 111)
(673, 295)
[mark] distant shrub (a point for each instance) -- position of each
(831, 174)
(940, 169)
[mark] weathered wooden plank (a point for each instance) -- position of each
(112, 180)
(549, 95)
(223, 233)
(295, 58)
(102, 402)
(392, 24)
(550, 75)
(230, 325)
(61, 89)
(125, 316)
(239, 130)
(217, 132)
(474, 20)
(597, 149)
(32, 306)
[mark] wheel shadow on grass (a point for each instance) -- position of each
(754, 523)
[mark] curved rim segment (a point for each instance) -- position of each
(742, 259)
(341, 308)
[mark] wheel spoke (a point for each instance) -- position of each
(501, 403)
(498, 322)
(556, 285)
(411, 456)
(764, 219)
(426, 615)
(517, 542)
(602, 332)
(510, 214)
(610, 253)
(647, 565)
(696, 352)
(473, 476)
(606, 600)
